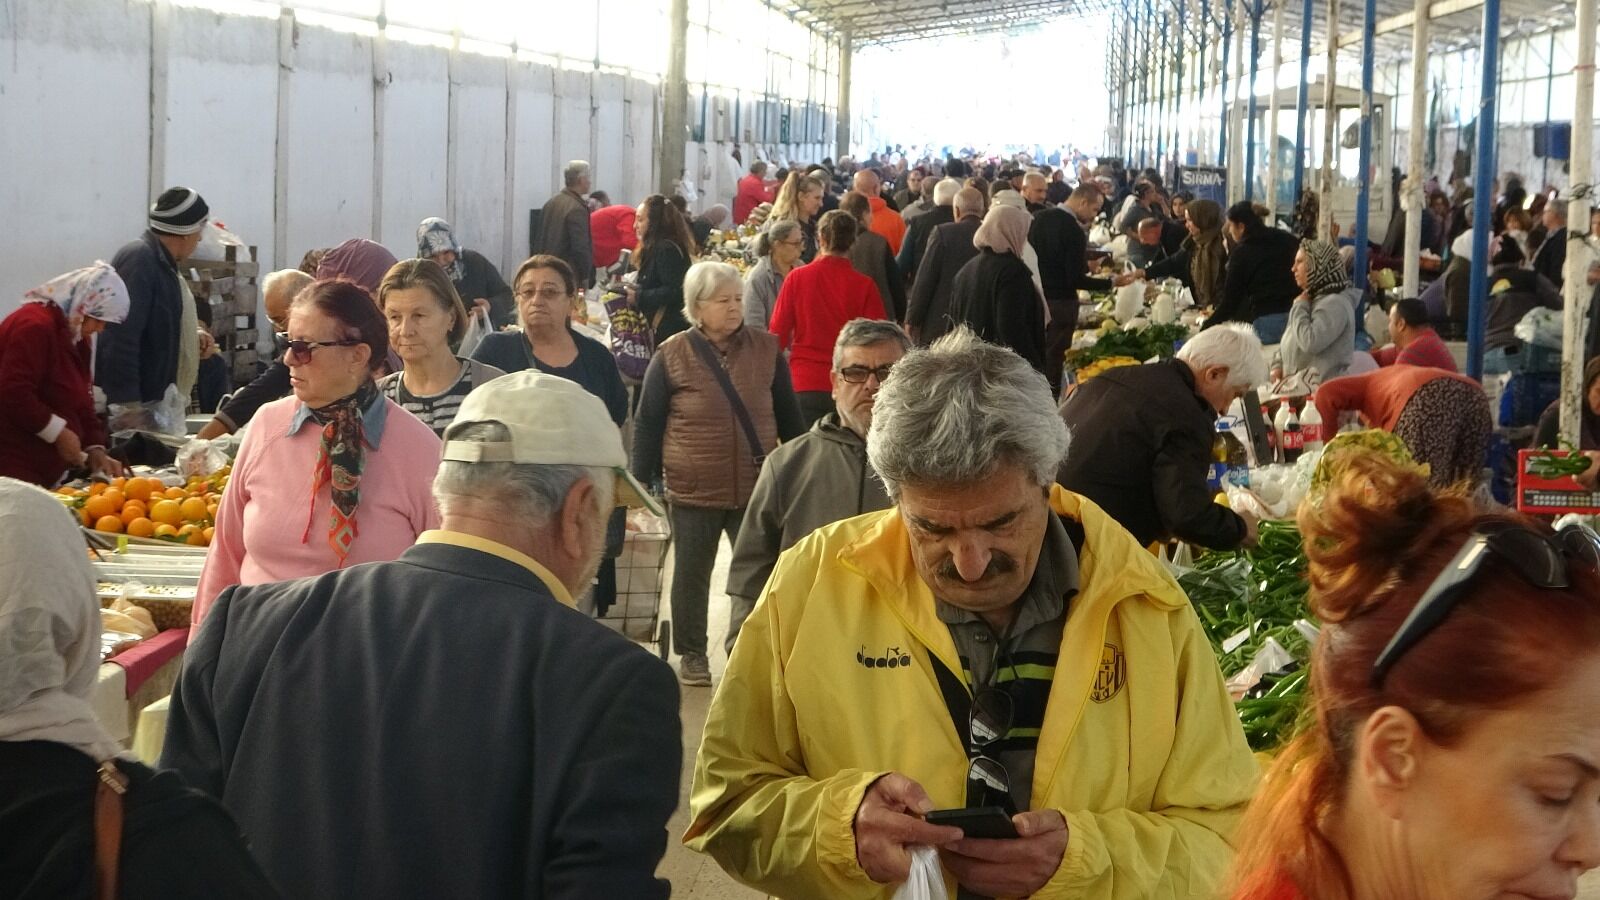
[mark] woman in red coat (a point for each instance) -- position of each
(48, 423)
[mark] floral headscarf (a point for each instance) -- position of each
(435, 235)
(94, 291)
(1327, 269)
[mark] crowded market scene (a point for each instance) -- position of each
(647, 448)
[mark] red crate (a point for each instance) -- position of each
(1551, 496)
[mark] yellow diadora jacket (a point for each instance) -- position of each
(1140, 749)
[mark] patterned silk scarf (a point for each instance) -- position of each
(339, 463)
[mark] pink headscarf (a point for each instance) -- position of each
(359, 260)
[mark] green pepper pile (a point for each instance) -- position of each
(1554, 466)
(1261, 591)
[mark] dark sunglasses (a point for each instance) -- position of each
(1538, 559)
(859, 374)
(302, 350)
(987, 778)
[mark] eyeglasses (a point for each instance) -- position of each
(859, 374)
(990, 721)
(545, 295)
(300, 351)
(1538, 559)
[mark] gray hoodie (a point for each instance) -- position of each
(1321, 335)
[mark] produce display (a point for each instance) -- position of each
(1252, 605)
(168, 508)
(1552, 465)
(1137, 344)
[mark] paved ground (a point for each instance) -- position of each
(695, 876)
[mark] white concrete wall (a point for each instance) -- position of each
(75, 135)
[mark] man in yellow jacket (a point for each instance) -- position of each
(993, 640)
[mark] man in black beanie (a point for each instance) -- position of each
(157, 346)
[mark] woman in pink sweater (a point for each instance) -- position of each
(333, 475)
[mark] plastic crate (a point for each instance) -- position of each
(1527, 395)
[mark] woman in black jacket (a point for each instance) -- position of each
(663, 259)
(1259, 286)
(994, 293)
(59, 768)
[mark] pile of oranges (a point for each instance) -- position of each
(147, 508)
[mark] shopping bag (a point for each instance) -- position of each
(926, 881)
(478, 328)
(1130, 302)
(633, 341)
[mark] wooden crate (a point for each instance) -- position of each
(232, 288)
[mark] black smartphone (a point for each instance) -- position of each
(988, 822)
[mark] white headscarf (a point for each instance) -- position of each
(49, 625)
(96, 291)
(1462, 245)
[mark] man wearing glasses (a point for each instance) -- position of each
(993, 641)
(822, 476)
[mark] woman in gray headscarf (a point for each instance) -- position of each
(60, 771)
(1321, 332)
(475, 278)
(994, 293)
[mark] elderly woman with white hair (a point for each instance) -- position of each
(995, 294)
(1142, 438)
(716, 400)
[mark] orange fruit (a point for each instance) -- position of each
(211, 511)
(165, 530)
(139, 488)
(193, 509)
(99, 506)
(116, 497)
(197, 538)
(141, 527)
(108, 523)
(210, 532)
(119, 482)
(168, 512)
(175, 493)
(97, 488)
(133, 509)
(186, 530)
(83, 517)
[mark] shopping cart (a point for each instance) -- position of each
(636, 612)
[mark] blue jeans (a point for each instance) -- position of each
(1270, 327)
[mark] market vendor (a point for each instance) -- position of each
(1548, 433)
(1200, 261)
(1443, 417)
(367, 462)
(48, 424)
(176, 843)
(1142, 439)
(475, 278)
(924, 658)
(1452, 753)
(1321, 334)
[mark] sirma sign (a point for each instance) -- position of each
(1205, 182)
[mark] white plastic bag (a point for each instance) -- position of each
(200, 458)
(478, 328)
(164, 416)
(1541, 327)
(926, 881)
(1130, 302)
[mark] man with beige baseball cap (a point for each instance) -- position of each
(534, 751)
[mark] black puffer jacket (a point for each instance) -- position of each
(995, 297)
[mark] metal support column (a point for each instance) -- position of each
(1330, 123)
(1249, 147)
(1416, 174)
(846, 51)
(1300, 103)
(1177, 120)
(674, 99)
(1369, 23)
(1483, 163)
(1578, 296)
(1222, 129)
(1236, 148)
(1549, 83)
(1273, 175)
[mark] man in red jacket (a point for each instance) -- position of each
(753, 191)
(611, 230)
(885, 221)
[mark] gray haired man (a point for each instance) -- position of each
(993, 641)
(822, 476)
(564, 223)
(446, 724)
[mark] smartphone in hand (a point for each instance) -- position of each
(988, 822)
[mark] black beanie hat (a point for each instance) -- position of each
(179, 210)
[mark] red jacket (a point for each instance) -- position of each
(814, 304)
(1428, 350)
(42, 374)
(611, 231)
(888, 223)
(753, 191)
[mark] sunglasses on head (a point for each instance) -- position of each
(1538, 559)
(301, 351)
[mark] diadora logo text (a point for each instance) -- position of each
(891, 658)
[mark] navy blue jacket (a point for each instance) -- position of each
(136, 360)
(435, 726)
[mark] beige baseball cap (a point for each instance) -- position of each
(553, 422)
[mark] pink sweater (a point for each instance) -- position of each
(264, 509)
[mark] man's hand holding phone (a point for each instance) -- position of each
(1014, 867)
(889, 823)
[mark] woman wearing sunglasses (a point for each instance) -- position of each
(1455, 749)
(333, 475)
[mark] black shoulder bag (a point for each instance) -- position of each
(708, 355)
